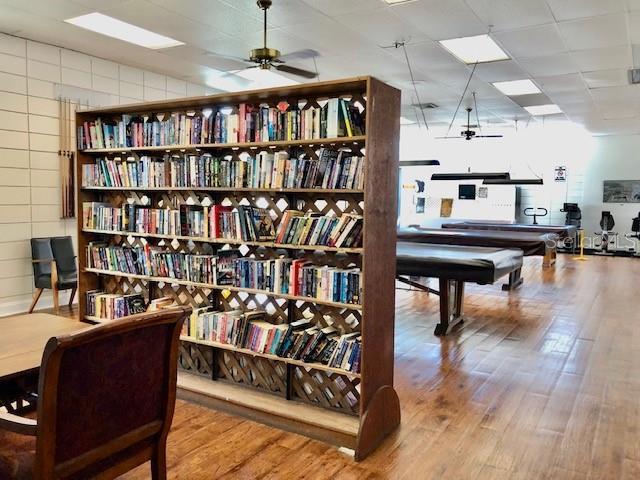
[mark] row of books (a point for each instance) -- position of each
(298, 277)
(246, 123)
(298, 228)
(334, 169)
(152, 261)
(244, 223)
(111, 306)
(299, 340)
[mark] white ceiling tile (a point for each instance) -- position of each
(632, 5)
(630, 93)
(500, 71)
(595, 32)
(622, 126)
(282, 12)
(195, 18)
(333, 37)
(560, 83)
(579, 108)
(606, 78)
(342, 7)
(572, 9)
(581, 95)
(509, 14)
(382, 27)
(532, 42)
(617, 109)
(603, 58)
(440, 19)
(549, 65)
(427, 56)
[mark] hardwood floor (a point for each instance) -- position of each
(540, 383)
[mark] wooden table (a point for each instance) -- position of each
(23, 338)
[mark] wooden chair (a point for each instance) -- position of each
(54, 267)
(106, 401)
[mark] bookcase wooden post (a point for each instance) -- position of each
(351, 409)
(379, 404)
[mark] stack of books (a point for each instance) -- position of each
(300, 340)
(111, 306)
(337, 117)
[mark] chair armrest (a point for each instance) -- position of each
(43, 260)
(16, 424)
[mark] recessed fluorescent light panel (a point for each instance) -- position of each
(480, 48)
(114, 28)
(543, 109)
(395, 2)
(517, 87)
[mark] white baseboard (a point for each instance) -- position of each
(22, 306)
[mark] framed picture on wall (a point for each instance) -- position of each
(621, 191)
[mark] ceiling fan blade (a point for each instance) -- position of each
(448, 138)
(295, 71)
(229, 62)
(299, 55)
(489, 136)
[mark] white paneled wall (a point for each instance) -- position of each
(31, 75)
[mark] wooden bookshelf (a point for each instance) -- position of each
(354, 410)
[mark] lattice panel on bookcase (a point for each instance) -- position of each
(188, 295)
(276, 308)
(326, 389)
(332, 204)
(261, 373)
(196, 359)
(344, 320)
(20, 394)
(125, 285)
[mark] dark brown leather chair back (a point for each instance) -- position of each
(107, 396)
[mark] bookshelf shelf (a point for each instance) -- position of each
(230, 241)
(226, 189)
(351, 409)
(226, 346)
(242, 145)
(176, 281)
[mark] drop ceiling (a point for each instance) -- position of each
(576, 51)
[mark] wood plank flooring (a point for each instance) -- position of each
(541, 383)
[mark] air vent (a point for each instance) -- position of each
(422, 106)
(634, 76)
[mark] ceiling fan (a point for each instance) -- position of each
(468, 133)
(267, 58)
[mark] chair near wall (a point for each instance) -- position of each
(106, 399)
(54, 267)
